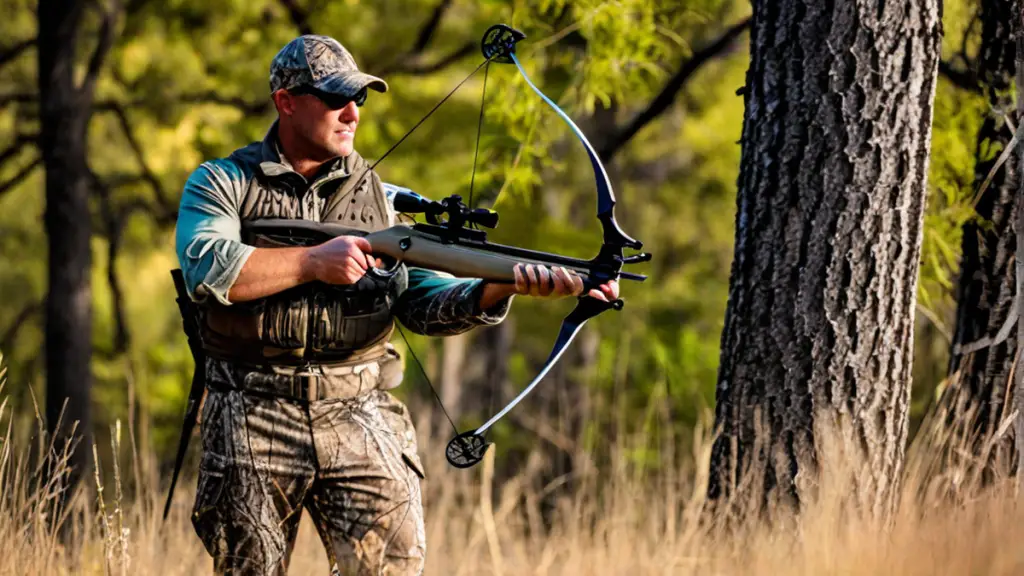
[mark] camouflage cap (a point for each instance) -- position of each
(322, 63)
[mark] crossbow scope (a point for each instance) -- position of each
(450, 212)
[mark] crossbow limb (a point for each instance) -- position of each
(466, 449)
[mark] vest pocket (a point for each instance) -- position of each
(241, 320)
(335, 330)
(285, 323)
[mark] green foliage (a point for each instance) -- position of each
(190, 77)
(958, 116)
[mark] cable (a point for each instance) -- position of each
(427, 378)
(479, 131)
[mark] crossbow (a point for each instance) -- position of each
(451, 241)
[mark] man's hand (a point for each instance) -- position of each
(341, 260)
(545, 282)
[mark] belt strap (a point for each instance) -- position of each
(306, 385)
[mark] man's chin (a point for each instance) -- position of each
(337, 151)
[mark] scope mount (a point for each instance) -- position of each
(451, 220)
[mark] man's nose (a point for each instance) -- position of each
(350, 113)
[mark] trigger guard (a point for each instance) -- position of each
(384, 273)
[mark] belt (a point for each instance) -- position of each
(309, 383)
(306, 385)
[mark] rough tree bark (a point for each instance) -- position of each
(65, 109)
(816, 349)
(979, 396)
(1018, 393)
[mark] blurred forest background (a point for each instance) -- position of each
(653, 83)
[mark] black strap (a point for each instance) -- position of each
(190, 322)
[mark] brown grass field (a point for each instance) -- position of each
(615, 521)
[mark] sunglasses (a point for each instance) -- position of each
(332, 101)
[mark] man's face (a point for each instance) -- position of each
(327, 132)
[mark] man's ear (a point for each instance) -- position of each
(284, 102)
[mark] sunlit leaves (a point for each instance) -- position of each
(192, 76)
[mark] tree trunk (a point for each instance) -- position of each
(64, 115)
(814, 379)
(979, 396)
(1018, 394)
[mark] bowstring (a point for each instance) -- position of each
(429, 114)
(472, 178)
(423, 372)
(366, 171)
(479, 132)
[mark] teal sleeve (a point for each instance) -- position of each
(208, 233)
(438, 304)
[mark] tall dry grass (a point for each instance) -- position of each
(614, 519)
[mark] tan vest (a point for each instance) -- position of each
(315, 322)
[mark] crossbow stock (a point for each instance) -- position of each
(452, 241)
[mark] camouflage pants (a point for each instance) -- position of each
(351, 463)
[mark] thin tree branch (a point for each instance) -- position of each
(12, 52)
(24, 315)
(108, 32)
(413, 67)
(19, 144)
(20, 176)
(160, 214)
(411, 62)
(147, 172)
(298, 16)
(668, 94)
(430, 27)
(17, 98)
(114, 226)
(963, 79)
(246, 106)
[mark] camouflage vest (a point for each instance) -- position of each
(315, 322)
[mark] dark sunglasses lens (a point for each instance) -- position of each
(337, 102)
(333, 101)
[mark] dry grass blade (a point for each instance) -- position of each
(622, 516)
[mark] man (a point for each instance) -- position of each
(298, 413)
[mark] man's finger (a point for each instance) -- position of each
(362, 243)
(543, 281)
(357, 255)
(357, 261)
(521, 285)
(369, 260)
(531, 275)
(570, 277)
(561, 281)
(577, 284)
(595, 293)
(569, 282)
(358, 272)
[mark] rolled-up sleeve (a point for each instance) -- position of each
(208, 233)
(438, 304)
